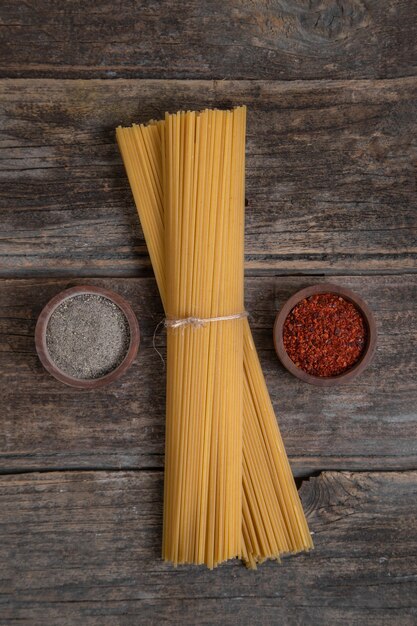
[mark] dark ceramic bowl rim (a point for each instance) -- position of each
(367, 353)
(49, 364)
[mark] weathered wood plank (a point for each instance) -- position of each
(84, 548)
(330, 173)
(219, 39)
(367, 424)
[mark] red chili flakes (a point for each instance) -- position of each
(324, 334)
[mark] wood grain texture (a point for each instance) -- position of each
(274, 39)
(369, 423)
(331, 189)
(331, 174)
(84, 548)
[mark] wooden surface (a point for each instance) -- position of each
(330, 173)
(84, 548)
(331, 195)
(369, 423)
(272, 39)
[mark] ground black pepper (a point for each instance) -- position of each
(87, 336)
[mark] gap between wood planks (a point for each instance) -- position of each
(44, 74)
(148, 273)
(299, 480)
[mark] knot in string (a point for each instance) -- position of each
(197, 322)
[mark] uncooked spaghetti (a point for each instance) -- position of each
(271, 521)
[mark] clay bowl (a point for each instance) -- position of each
(368, 351)
(42, 349)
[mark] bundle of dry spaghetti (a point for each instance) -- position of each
(229, 489)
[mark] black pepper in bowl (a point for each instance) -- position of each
(87, 336)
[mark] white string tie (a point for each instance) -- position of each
(197, 322)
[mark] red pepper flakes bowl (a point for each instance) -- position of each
(367, 352)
